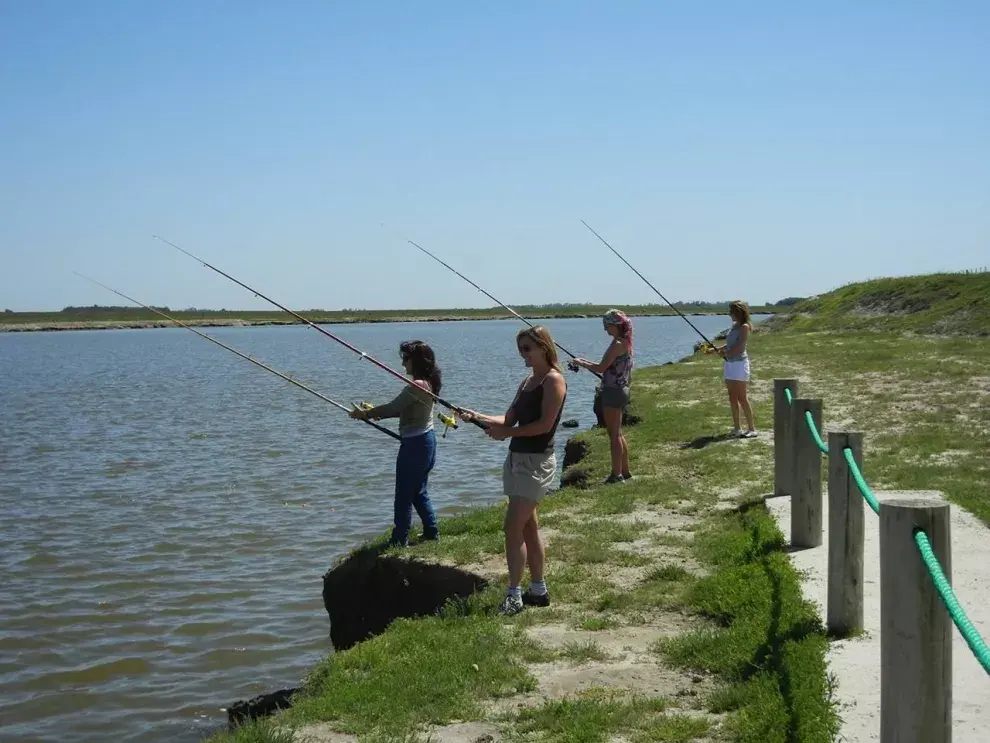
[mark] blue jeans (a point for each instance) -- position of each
(417, 455)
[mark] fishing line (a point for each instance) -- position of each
(325, 332)
(648, 283)
(502, 304)
(286, 377)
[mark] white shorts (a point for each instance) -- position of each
(737, 371)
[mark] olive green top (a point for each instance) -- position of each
(413, 406)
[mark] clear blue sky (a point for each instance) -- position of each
(728, 149)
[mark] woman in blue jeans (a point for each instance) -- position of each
(417, 450)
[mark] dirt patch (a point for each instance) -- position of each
(561, 679)
(321, 733)
(681, 403)
(949, 457)
(622, 643)
(626, 578)
(658, 518)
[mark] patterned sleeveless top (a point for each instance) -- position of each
(619, 374)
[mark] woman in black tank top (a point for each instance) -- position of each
(530, 468)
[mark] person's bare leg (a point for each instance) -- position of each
(537, 593)
(742, 395)
(534, 548)
(613, 424)
(625, 455)
(518, 514)
(733, 404)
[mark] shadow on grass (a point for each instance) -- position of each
(770, 655)
(702, 441)
(771, 643)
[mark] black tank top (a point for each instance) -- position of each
(528, 408)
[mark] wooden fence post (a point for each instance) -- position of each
(806, 500)
(845, 536)
(783, 470)
(915, 627)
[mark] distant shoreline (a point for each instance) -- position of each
(42, 322)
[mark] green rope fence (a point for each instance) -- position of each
(861, 481)
(814, 432)
(966, 628)
(942, 585)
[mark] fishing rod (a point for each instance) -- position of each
(516, 314)
(325, 332)
(649, 284)
(286, 377)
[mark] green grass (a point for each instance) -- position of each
(914, 398)
(595, 623)
(582, 652)
(425, 671)
(766, 640)
(597, 715)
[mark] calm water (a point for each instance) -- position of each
(169, 509)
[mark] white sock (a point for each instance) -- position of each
(538, 587)
(515, 591)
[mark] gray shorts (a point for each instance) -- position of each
(615, 397)
(529, 476)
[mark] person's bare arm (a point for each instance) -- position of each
(611, 353)
(508, 419)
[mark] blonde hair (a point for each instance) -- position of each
(739, 308)
(541, 337)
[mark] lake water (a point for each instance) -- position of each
(168, 509)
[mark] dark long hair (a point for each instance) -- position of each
(424, 363)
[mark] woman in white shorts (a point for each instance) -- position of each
(530, 468)
(736, 369)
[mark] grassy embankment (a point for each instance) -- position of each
(677, 615)
(96, 318)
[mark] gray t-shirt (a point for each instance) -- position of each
(413, 406)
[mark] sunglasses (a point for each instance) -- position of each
(525, 348)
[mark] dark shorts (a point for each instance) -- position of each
(615, 397)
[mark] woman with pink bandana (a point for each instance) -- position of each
(616, 370)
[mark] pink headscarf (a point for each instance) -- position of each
(617, 317)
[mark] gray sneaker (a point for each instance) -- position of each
(510, 605)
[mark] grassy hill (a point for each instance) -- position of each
(939, 304)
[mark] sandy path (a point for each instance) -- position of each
(856, 662)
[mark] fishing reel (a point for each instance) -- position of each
(573, 365)
(449, 421)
